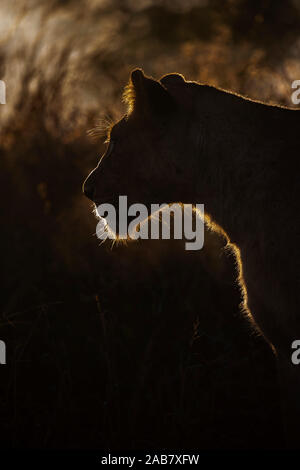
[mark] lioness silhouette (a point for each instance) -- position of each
(182, 141)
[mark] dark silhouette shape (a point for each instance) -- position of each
(181, 141)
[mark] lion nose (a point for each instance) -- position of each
(88, 188)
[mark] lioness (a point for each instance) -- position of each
(181, 141)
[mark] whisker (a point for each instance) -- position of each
(102, 128)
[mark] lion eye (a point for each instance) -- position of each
(110, 148)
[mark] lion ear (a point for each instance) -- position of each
(172, 79)
(180, 90)
(150, 96)
(137, 77)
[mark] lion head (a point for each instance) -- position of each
(148, 150)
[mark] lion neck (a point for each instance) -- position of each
(233, 156)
